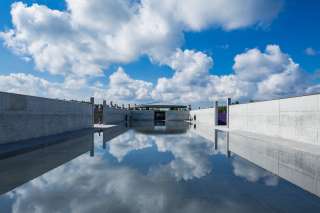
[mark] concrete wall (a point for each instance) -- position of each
(114, 116)
(292, 118)
(147, 115)
(142, 115)
(203, 116)
(23, 117)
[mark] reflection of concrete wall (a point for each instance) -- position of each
(300, 166)
(292, 118)
(204, 130)
(23, 117)
(203, 115)
(23, 167)
(112, 132)
(114, 115)
(211, 134)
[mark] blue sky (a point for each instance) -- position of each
(294, 28)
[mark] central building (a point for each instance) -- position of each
(160, 112)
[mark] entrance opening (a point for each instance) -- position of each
(222, 115)
(159, 116)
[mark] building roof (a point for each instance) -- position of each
(162, 106)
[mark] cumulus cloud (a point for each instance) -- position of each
(89, 35)
(271, 73)
(123, 88)
(256, 75)
(28, 84)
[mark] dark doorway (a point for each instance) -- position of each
(159, 116)
(222, 115)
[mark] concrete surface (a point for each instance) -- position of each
(295, 118)
(112, 115)
(177, 115)
(147, 115)
(23, 117)
(142, 115)
(207, 116)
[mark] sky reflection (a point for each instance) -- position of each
(181, 173)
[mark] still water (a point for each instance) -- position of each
(172, 167)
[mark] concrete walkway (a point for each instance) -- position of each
(102, 126)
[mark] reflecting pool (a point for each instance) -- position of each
(160, 167)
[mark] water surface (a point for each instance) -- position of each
(172, 167)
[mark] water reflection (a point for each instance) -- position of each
(160, 127)
(19, 166)
(297, 163)
(188, 172)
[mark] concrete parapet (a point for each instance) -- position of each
(24, 117)
(113, 115)
(177, 115)
(295, 118)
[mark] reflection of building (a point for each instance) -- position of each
(22, 165)
(168, 127)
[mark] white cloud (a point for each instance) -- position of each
(271, 73)
(190, 77)
(90, 35)
(229, 14)
(256, 75)
(28, 84)
(123, 88)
